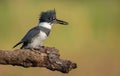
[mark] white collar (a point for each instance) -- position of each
(45, 25)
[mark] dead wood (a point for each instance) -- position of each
(45, 57)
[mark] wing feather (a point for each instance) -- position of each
(30, 34)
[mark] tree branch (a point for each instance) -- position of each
(45, 57)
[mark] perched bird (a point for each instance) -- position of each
(37, 35)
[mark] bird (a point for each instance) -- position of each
(35, 37)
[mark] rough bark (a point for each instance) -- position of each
(45, 57)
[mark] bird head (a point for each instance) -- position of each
(50, 17)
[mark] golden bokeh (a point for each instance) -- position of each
(92, 38)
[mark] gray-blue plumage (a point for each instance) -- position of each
(28, 37)
(31, 34)
(35, 36)
(48, 16)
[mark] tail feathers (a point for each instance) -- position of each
(17, 44)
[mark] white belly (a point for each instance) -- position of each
(38, 40)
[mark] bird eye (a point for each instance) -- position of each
(50, 18)
(53, 18)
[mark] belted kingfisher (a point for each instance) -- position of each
(37, 35)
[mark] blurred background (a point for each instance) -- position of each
(92, 38)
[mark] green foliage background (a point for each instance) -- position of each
(92, 38)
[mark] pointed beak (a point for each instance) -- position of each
(61, 22)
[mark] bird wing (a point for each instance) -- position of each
(30, 34)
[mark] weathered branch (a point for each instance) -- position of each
(45, 57)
